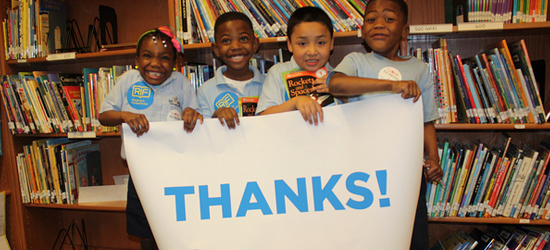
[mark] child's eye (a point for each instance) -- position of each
(244, 39)
(166, 58)
(301, 43)
(226, 41)
(389, 19)
(321, 42)
(146, 55)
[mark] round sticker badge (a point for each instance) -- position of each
(390, 73)
(173, 115)
(227, 100)
(320, 72)
(140, 96)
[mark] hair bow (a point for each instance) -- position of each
(178, 45)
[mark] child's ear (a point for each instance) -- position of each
(137, 60)
(215, 49)
(332, 43)
(289, 44)
(406, 31)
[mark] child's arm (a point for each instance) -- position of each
(190, 117)
(227, 116)
(311, 110)
(138, 122)
(434, 171)
(341, 84)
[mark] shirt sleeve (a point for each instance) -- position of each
(115, 98)
(272, 92)
(346, 67)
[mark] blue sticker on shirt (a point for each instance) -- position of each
(227, 100)
(140, 96)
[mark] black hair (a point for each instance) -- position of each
(231, 16)
(159, 36)
(402, 6)
(308, 14)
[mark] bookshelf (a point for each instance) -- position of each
(34, 226)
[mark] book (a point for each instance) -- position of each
(80, 174)
(55, 10)
(70, 84)
(299, 82)
(247, 106)
(89, 114)
(60, 101)
(521, 60)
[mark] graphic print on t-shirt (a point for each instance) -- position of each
(227, 100)
(140, 96)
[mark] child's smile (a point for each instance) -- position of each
(384, 27)
(235, 44)
(155, 62)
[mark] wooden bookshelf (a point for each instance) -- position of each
(33, 226)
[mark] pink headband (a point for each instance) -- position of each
(175, 41)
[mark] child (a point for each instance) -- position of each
(235, 43)
(385, 25)
(310, 41)
(153, 92)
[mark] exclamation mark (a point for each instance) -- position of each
(382, 178)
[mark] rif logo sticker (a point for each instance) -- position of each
(390, 73)
(227, 100)
(140, 96)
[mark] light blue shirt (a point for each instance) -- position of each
(164, 102)
(274, 89)
(217, 93)
(372, 65)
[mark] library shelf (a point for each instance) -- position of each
(494, 126)
(108, 206)
(492, 220)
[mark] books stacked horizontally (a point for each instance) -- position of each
(489, 180)
(47, 102)
(195, 18)
(495, 86)
(496, 237)
(52, 170)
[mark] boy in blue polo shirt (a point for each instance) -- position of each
(310, 40)
(236, 85)
(383, 70)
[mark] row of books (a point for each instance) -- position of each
(52, 170)
(195, 18)
(46, 102)
(508, 11)
(496, 238)
(484, 180)
(34, 28)
(495, 86)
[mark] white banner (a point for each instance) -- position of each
(277, 182)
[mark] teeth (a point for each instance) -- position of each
(155, 73)
(237, 57)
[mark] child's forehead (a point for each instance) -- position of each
(156, 43)
(235, 24)
(308, 27)
(387, 5)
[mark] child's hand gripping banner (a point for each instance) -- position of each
(277, 182)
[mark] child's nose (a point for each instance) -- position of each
(236, 45)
